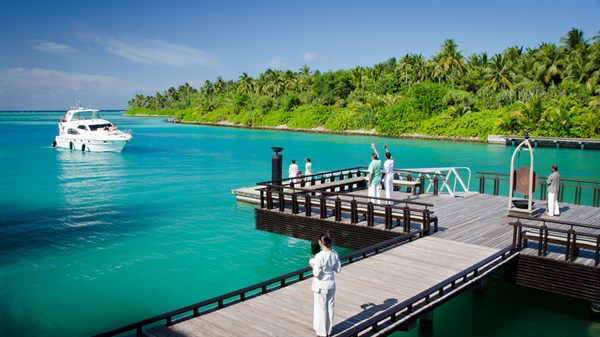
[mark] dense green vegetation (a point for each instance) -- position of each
(551, 90)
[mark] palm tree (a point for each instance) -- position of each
(405, 69)
(356, 76)
(246, 84)
(512, 122)
(498, 74)
(532, 110)
(574, 40)
(450, 60)
(549, 64)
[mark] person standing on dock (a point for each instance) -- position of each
(308, 170)
(553, 188)
(388, 171)
(374, 177)
(323, 265)
(293, 170)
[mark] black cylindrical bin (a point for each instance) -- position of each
(276, 166)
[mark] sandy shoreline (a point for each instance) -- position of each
(321, 129)
(491, 139)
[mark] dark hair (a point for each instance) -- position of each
(388, 155)
(555, 168)
(326, 239)
(293, 161)
(308, 159)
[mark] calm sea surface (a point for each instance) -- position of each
(93, 241)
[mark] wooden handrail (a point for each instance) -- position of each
(574, 185)
(569, 235)
(554, 221)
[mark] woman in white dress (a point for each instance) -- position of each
(324, 264)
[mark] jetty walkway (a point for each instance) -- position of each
(391, 285)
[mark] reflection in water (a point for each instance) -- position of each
(90, 185)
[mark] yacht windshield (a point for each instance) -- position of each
(100, 126)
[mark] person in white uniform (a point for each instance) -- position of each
(553, 188)
(324, 264)
(388, 171)
(293, 170)
(308, 171)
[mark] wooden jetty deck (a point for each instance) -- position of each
(473, 232)
(364, 289)
(393, 285)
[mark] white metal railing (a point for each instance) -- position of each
(449, 176)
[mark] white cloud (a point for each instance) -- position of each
(310, 57)
(160, 52)
(52, 47)
(275, 63)
(45, 88)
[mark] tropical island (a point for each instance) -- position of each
(551, 90)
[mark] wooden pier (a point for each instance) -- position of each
(365, 289)
(389, 286)
(557, 142)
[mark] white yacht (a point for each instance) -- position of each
(83, 129)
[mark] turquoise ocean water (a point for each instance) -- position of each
(93, 241)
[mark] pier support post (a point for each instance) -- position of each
(479, 285)
(426, 321)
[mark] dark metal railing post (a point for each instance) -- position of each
(482, 184)
(281, 201)
(406, 213)
(295, 208)
(435, 185)
(307, 205)
(388, 217)
(496, 185)
(338, 209)
(353, 212)
(370, 214)
(323, 208)
(577, 194)
(262, 199)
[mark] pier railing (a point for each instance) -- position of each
(431, 298)
(240, 295)
(571, 237)
(578, 192)
(327, 198)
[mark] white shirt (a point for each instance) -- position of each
(325, 263)
(388, 167)
(293, 171)
(308, 168)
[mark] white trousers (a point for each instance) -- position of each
(323, 312)
(388, 183)
(553, 207)
(375, 191)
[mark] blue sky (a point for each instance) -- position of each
(53, 53)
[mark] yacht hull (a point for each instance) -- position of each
(90, 145)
